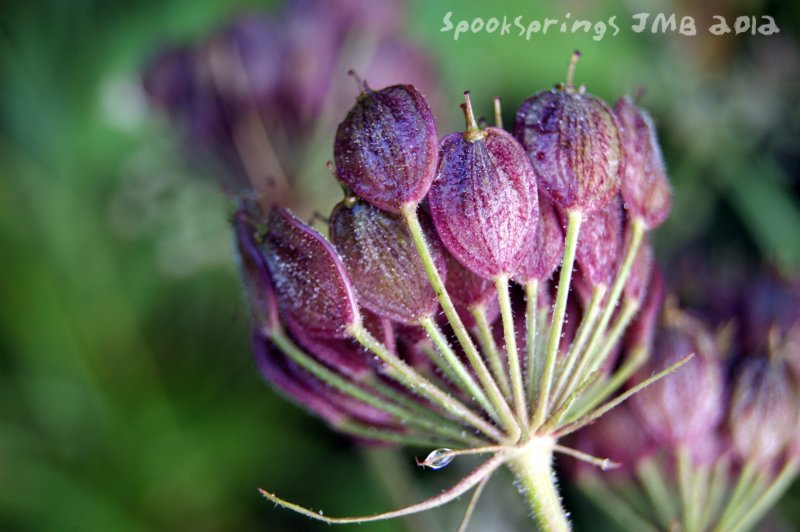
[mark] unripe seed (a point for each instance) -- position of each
(312, 286)
(387, 273)
(645, 187)
(483, 201)
(386, 148)
(572, 139)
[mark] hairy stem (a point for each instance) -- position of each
(533, 467)
(489, 347)
(570, 245)
(415, 382)
(298, 356)
(475, 359)
(514, 369)
(568, 379)
(464, 379)
(531, 328)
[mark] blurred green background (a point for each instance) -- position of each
(128, 399)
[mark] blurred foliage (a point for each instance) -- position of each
(128, 399)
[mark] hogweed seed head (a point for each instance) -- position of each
(483, 200)
(572, 139)
(352, 332)
(386, 147)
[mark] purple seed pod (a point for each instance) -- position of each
(385, 149)
(378, 250)
(546, 249)
(763, 414)
(312, 286)
(600, 244)
(685, 407)
(572, 139)
(635, 288)
(483, 201)
(645, 187)
(641, 332)
(258, 288)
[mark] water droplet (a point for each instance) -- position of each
(439, 458)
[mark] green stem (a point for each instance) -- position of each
(327, 376)
(716, 492)
(419, 411)
(464, 379)
(745, 481)
(768, 498)
(615, 507)
(567, 379)
(660, 494)
(684, 466)
(636, 358)
(512, 354)
(448, 376)
(533, 467)
(415, 382)
(632, 249)
(489, 347)
(531, 323)
(595, 360)
(476, 361)
(570, 244)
